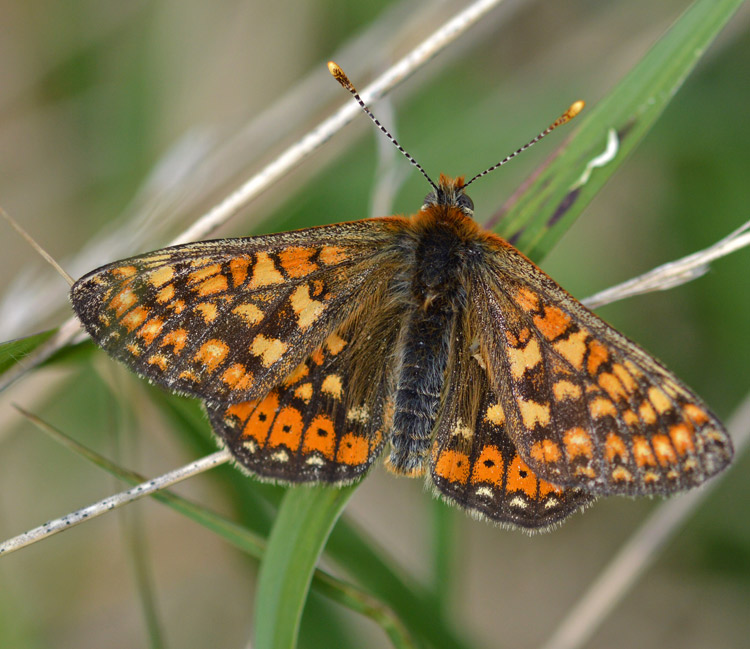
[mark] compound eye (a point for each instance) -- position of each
(465, 202)
(430, 199)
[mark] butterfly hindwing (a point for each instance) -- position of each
(475, 463)
(227, 320)
(326, 421)
(586, 406)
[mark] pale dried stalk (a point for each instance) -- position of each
(673, 273)
(397, 73)
(113, 502)
(293, 156)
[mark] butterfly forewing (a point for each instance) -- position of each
(227, 320)
(586, 406)
(475, 464)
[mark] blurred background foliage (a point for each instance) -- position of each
(122, 122)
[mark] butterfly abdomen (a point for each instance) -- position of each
(422, 359)
(434, 293)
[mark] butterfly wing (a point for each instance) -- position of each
(585, 406)
(475, 463)
(326, 421)
(227, 320)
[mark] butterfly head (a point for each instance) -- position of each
(450, 193)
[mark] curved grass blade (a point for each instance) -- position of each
(304, 522)
(558, 193)
(257, 503)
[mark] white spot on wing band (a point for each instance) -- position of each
(280, 456)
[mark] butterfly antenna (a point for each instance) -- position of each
(575, 108)
(339, 75)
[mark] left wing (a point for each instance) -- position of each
(227, 320)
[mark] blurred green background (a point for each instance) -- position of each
(120, 123)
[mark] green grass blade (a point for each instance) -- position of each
(400, 591)
(14, 351)
(304, 522)
(445, 522)
(555, 197)
(348, 547)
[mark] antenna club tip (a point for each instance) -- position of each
(575, 108)
(339, 75)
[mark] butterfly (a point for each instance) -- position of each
(424, 338)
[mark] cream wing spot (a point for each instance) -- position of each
(304, 392)
(331, 255)
(135, 318)
(305, 307)
(270, 350)
(533, 413)
(161, 361)
(212, 353)
(123, 301)
(265, 272)
(177, 339)
(165, 294)
(602, 407)
(563, 390)
(280, 456)
(659, 400)
(578, 442)
(237, 377)
(332, 386)
(161, 276)
(462, 430)
(124, 271)
(150, 330)
(359, 414)
(495, 414)
(573, 348)
(204, 273)
(335, 344)
(250, 313)
(518, 502)
(208, 311)
(525, 358)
